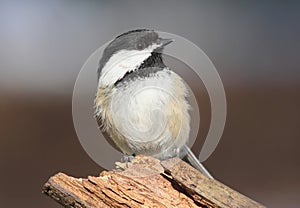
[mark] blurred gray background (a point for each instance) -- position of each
(254, 45)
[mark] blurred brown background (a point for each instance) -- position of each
(254, 45)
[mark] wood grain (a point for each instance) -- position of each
(145, 182)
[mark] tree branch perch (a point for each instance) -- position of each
(145, 182)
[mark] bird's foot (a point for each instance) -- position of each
(127, 159)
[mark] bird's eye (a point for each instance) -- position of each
(140, 46)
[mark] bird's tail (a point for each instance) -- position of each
(193, 160)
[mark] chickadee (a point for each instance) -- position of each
(140, 102)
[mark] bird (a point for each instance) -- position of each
(140, 102)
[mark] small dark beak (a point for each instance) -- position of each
(165, 41)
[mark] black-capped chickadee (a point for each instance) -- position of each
(140, 102)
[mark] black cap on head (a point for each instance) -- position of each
(139, 40)
(132, 40)
(135, 39)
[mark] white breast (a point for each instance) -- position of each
(145, 111)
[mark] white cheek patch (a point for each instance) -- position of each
(122, 62)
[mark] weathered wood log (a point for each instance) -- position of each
(145, 182)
